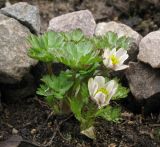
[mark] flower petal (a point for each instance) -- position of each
(121, 52)
(100, 80)
(106, 53)
(111, 86)
(123, 58)
(106, 62)
(113, 51)
(121, 67)
(100, 99)
(92, 87)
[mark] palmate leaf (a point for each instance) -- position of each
(111, 40)
(122, 92)
(78, 56)
(74, 36)
(55, 86)
(76, 106)
(109, 113)
(42, 47)
(70, 48)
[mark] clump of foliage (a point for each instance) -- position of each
(85, 88)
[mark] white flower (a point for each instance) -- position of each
(100, 91)
(114, 59)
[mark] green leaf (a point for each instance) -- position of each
(77, 35)
(78, 55)
(42, 47)
(76, 106)
(110, 40)
(55, 86)
(122, 92)
(73, 36)
(110, 113)
(84, 93)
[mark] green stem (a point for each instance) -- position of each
(49, 68)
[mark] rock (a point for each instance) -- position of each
(143, 80)
(27, 14)
(81, 19)
(14, 131)
(149, 49)
(13, 141)
(14, 61)
(2, 3)
(121, 30)
(33, 131)
(16, 141)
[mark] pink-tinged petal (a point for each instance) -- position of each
(121, 67)
(110, 64)
(100, 98)
(110, 85)
(100, 80)
(105, 62)
(113, 51)
(108, 100)
(120, 52)
(113, 91)
(106, 53)
(123, 58)
(92, 87)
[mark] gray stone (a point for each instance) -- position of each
(17, 141)
(81, 19)
(14, 61)
(121, 30)
(144, 81)
(149, 49)
(13, 141)
(27, 14)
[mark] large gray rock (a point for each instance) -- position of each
(27, 14)
(121, 30)
(81, 19)
(144, 81)
(149, 49)
(14, 62)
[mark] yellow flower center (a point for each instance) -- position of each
(103, 90)
(114, 59)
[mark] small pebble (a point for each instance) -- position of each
(14, 131)
(33, 131)
(112, 145)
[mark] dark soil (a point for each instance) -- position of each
(35, 123)
(34, 120)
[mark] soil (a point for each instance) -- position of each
(34, 120)
(35, 123)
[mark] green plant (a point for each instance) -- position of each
(82, 89)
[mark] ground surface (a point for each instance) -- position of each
(34, 122)
(32, 117)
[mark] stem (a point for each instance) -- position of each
(49, 68)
